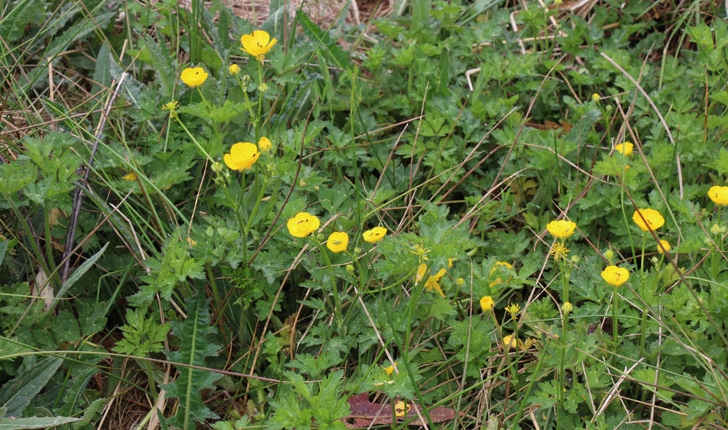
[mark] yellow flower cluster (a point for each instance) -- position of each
(303, 224)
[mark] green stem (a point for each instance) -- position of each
(334, 290)
(260, 99)
(615, 310)
(194, 140)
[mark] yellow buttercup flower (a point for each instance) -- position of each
(338, 241)
(512, 342)
(242, 156)
(487, 303)
(664, 247)
(234, 69)
(596, 97)
(625, 148)
(390, 369)
(193, 76)
(433, 282)
(561, 229)
(130, 176)
(615, 276)
(264, 144)
(257, 44)
(374, 235)
(303, 224)
(719, 195)
(648, 219)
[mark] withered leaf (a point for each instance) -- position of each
(365, 413)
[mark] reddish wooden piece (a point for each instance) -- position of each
(365, 413)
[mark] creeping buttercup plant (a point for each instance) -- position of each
(512, 214)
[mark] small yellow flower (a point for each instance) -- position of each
(719, 195)
(513, 309)
(624, 148)
(648, 219)
(487, 303)
(257, 44)
(460, 282)
(596, 97)
(193, 76)
(567, 308)
(130, 176)
(338, 241)
(390, 369)
(433, 282)
(264, 144)
(561, 229)
(512, 342)
(303, 224)
(664, 247)
(242, 156)
(615, 276)
(234, 69)
(401, 408)
(374, 235)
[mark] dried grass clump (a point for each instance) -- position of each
(322, 12)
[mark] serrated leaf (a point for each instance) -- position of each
(16, 175)
(195, 346)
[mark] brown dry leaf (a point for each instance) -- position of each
(365, 413)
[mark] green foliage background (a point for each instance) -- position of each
(134, 264)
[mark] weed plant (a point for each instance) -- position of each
(480, 214)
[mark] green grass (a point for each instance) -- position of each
(144, 283)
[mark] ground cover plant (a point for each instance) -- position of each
(467, 214)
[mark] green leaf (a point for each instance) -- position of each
(76, 274)
(61, 43)
(195, 345)
(16, 175)
(13, 24)
(16, 394)
(327, 45)
(34, 422)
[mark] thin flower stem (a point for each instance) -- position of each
(260, 98)
(615, 312)
(194, 140)
(334, 290)
(247, 103)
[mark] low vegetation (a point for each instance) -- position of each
(466, 214)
